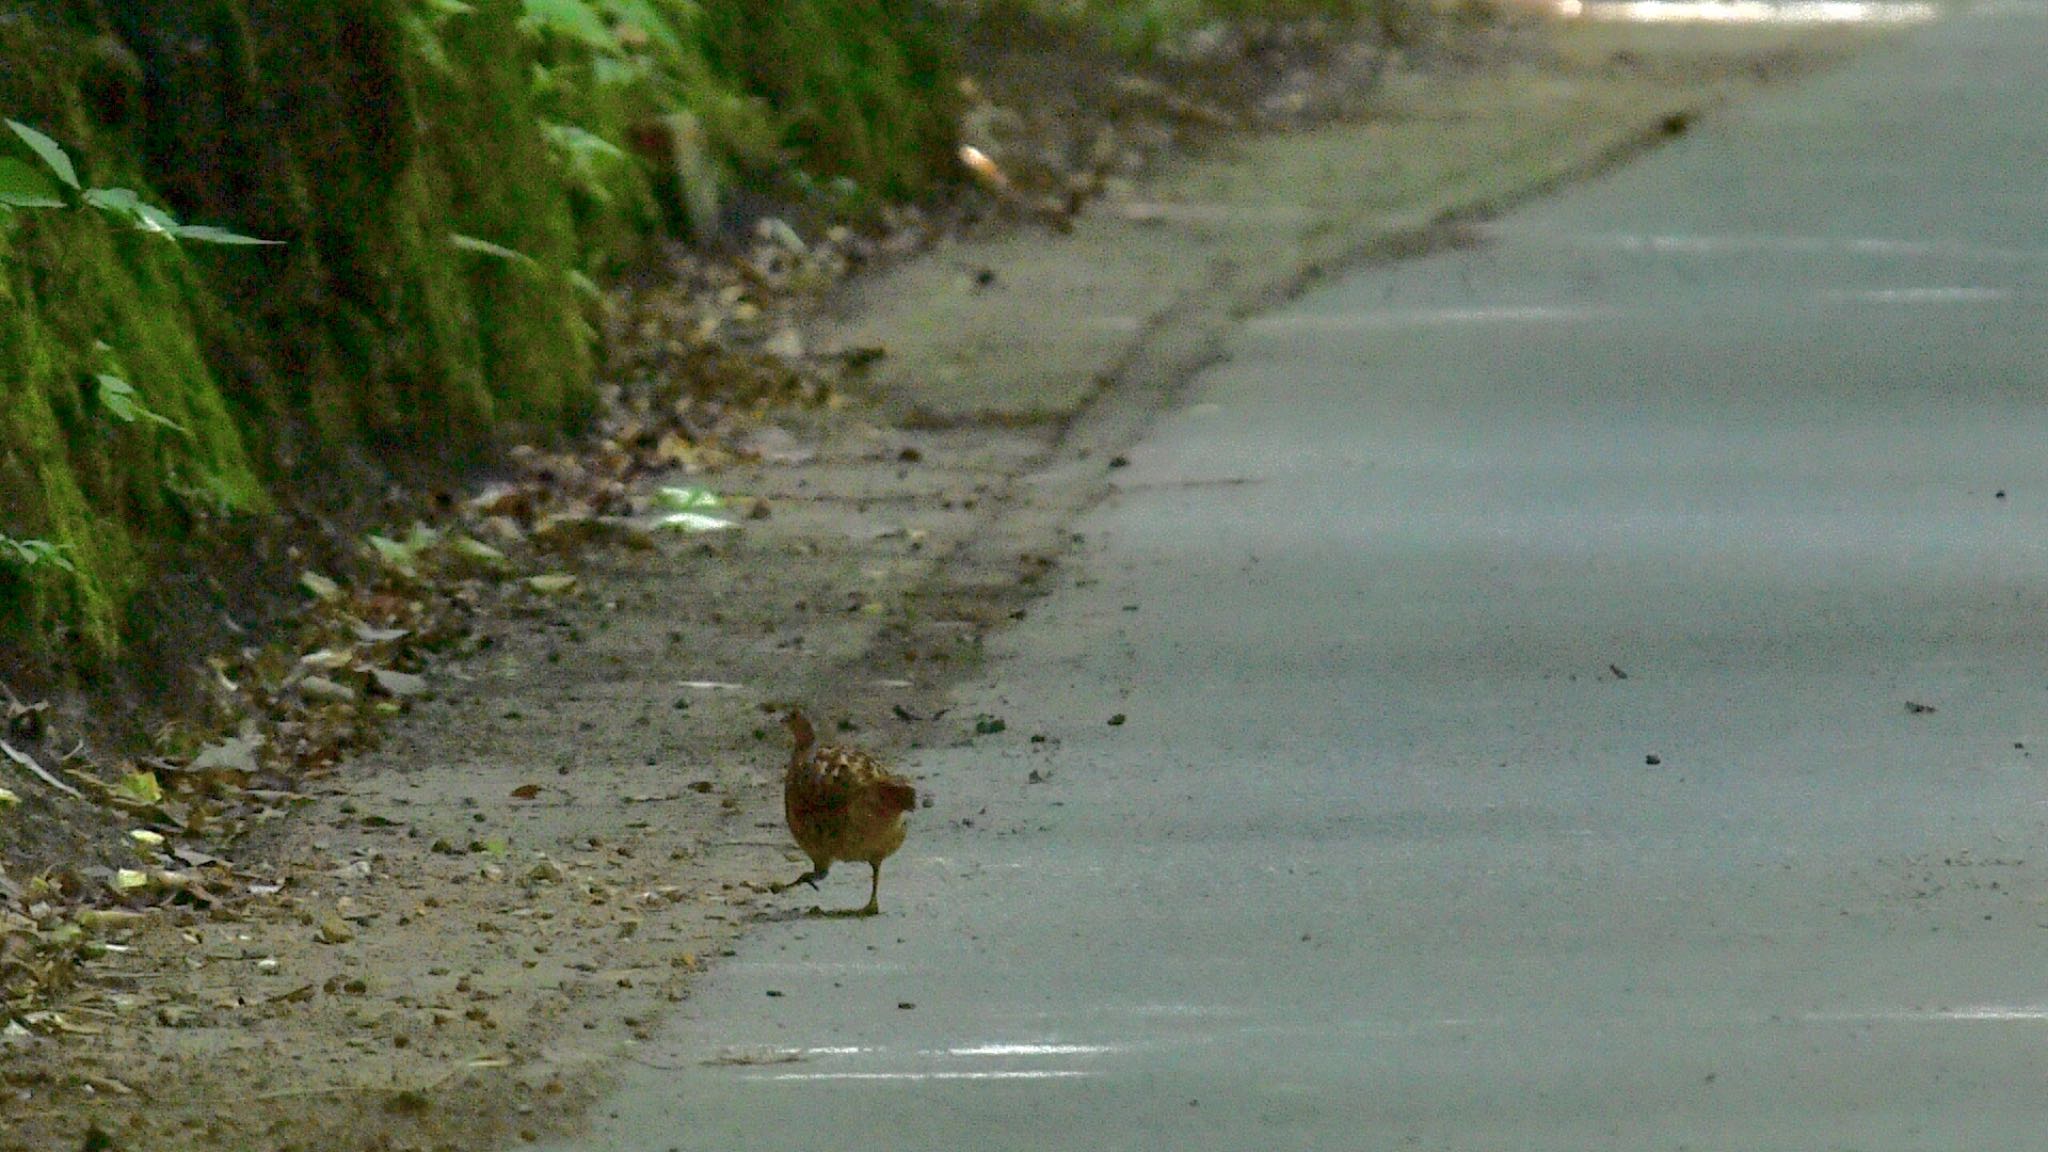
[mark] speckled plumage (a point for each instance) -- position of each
(842, 804)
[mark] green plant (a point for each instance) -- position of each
(120, 399)
(630, 22)
(23, 186)
(422, 25)
(26, 554)
(496, 251)
(586, 158)
(122, 402)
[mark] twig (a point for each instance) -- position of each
(29, 762)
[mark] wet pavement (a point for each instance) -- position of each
(1581, 691)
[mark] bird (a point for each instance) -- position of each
(842, 804)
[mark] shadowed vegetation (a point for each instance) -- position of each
(445, 179)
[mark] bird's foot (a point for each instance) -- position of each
(810, 878)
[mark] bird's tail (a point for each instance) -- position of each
(897, 796)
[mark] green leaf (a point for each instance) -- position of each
(449, 7)
(23, 185)
(208, 234)
(576, 142)
(113, 199)
(643, 15)
(151, 218)
(574, 19)
(584, 285)
(425, 42)
(614, 72)
(117, 396)
(123, 403)
(125, 202)
(29, 553)
(49, 151)
(485, 247)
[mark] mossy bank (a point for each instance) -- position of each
(447, 182)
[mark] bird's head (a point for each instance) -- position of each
(800, 728)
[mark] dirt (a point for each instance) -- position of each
(451, 937)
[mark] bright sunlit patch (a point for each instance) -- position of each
(1748, 11)
(1182, 1010)
(1955, 295)
(1034, 1050)
(1735, 244)
(1427, 317)
(1971, 1013)
(1035, 1074)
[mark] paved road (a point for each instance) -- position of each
(1517, 648)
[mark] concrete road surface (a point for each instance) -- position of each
(1585, 691)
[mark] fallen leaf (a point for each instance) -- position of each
(29, 762)
(395, 556)
(398, 684)
(320, 586)
(478, 555)
(138, 788)
(328, 659)
(323, 690)
(234, 754)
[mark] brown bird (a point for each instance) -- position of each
(842, 804)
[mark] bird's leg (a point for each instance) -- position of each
(874, 907)
(812, 877)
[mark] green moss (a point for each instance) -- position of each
(861, 87)
(366, 135)
(483, 124)
(42, 492)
